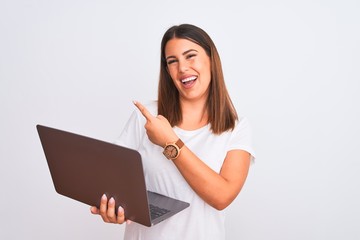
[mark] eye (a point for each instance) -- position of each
(190, 56)
(171, 61)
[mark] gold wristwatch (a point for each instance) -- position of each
(172, 150)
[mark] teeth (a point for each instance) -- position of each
(188, 79)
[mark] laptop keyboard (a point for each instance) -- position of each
(157, 211)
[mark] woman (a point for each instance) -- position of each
(194, 114)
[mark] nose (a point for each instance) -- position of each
(183, 66)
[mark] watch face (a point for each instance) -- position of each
(170, 151)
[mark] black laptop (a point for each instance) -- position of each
(84, 168)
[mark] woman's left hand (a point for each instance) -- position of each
(158, 128)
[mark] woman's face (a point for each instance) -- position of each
(189, 67)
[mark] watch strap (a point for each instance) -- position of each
(179, 143)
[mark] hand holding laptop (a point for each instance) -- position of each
(107, 211)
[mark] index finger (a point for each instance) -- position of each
(143, 110)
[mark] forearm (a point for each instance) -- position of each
(216, 189)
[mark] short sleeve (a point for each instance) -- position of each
(242, 138)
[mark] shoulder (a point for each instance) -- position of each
(242, 122)
(242, 133)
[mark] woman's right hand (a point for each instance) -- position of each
(107, 211)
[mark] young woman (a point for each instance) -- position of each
(193, 114)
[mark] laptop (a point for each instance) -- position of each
(83, 169)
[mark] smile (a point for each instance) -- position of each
(188, 80)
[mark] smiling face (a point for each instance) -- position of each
(189, 67)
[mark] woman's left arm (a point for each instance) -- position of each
(217, 189)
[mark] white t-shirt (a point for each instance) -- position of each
(200, 221)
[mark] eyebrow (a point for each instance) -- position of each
(184, 53)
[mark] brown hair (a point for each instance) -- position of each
(221, 112)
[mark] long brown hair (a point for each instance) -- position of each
(221, 112)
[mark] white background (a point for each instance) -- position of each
(292, 67)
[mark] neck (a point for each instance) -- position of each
(194, 115)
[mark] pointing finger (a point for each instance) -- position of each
(143, 110)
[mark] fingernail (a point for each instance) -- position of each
(103, 196)
(112, 200)
(120, 209)
(135, 102)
